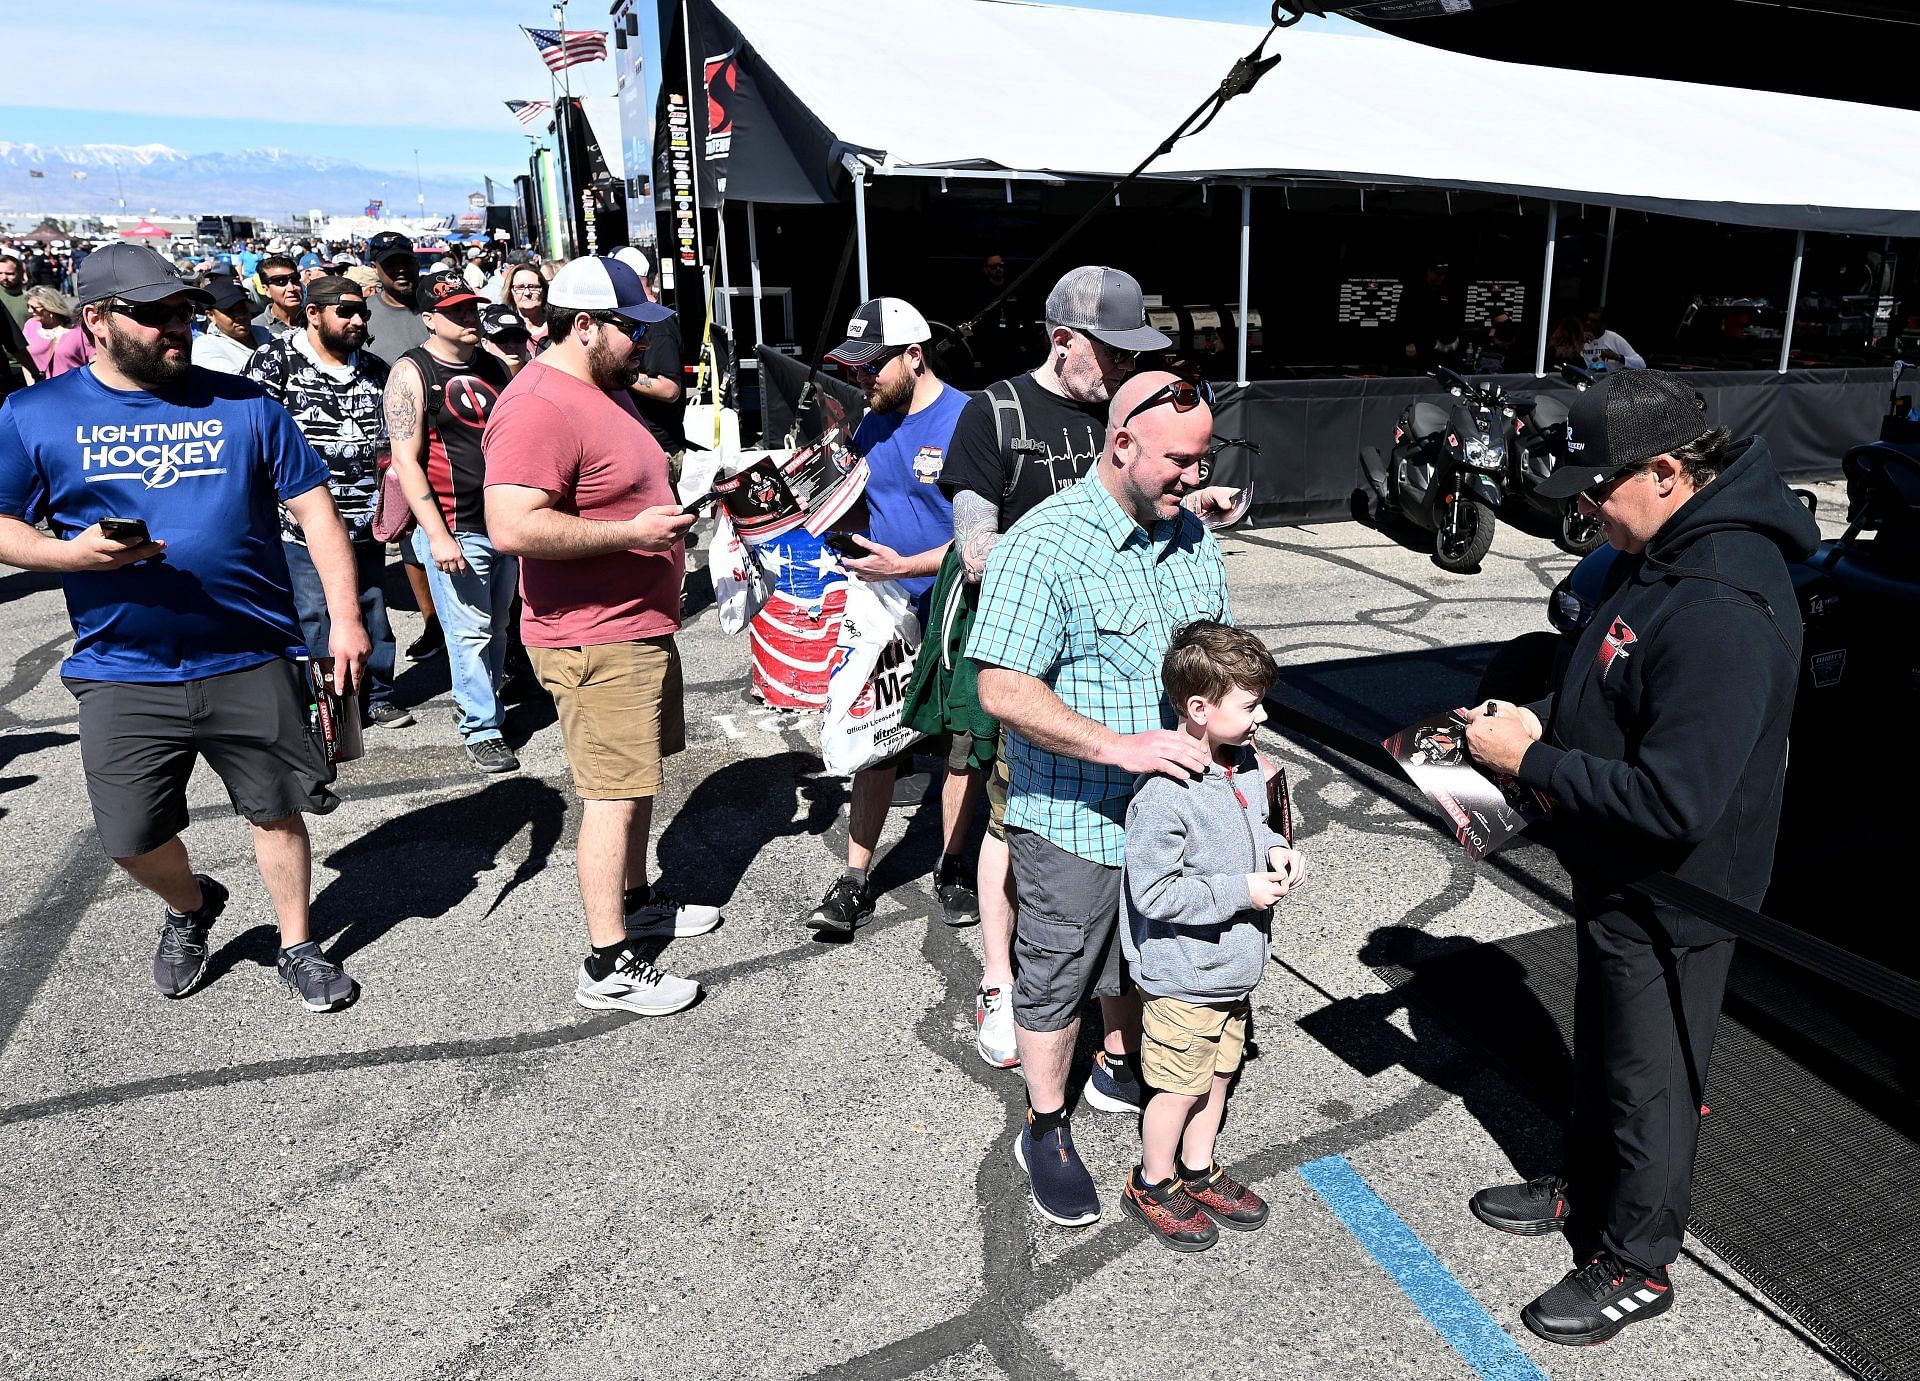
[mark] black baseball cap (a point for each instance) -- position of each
(132, 273)
(499, 321)
(225, 295)
(442, 288)
(1618, 423)
(387, 244)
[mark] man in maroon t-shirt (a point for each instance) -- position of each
(577, 488)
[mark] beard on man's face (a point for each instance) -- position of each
(611, 372)
(150, 363)
(342, 339)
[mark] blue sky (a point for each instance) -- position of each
(175, 63)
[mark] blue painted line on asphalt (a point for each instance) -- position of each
(1468, 1328)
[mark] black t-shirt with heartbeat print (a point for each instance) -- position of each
(1073, 437)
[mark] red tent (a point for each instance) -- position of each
(146, 230)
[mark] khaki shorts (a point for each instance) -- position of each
(1184, 1045)
(621, 713)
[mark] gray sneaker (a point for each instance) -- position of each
(315, 979)
(181, 960)
(492, 755)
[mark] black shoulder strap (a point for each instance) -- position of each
(1010, 423)
(435, 389)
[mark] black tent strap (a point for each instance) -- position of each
(1823, 958)
(827, 319)
(1240, 79)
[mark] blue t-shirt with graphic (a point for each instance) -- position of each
(904, 452)
(205, 463)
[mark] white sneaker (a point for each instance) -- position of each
(651, 915)
(635, 986)
(993, 1018)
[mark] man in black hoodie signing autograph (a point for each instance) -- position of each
(1664, 752)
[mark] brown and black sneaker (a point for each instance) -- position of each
(1228, 1202)
(1169, 1213)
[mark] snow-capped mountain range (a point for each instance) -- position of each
(258, 182)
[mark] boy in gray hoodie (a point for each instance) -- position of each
(1203, 871)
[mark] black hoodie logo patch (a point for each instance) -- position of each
(1619, 638)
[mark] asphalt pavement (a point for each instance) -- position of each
(807, 1174)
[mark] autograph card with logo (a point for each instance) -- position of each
(1484, 813)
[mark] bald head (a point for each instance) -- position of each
(1152, 461)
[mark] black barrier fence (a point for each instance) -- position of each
(1310, 431)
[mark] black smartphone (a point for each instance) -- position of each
(842, 544)
(701, 504)
(131, 531)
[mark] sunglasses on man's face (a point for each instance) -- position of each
(154, 315)
(280, 280)
(1605, 490)
(873, 367)
(634, 331)
(1122, 359)
(1184, 394)
(350, 310)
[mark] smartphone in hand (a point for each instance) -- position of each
(129, 531)
(842, 544)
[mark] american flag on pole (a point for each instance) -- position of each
(528, 112)
(561, 49)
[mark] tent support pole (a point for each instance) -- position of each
(1606, 264)
(1546, 291)
(860, 223)
(1793, 297)
(1246, 258)
(759, 328)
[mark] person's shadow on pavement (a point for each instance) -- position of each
(1463, 999)
(420, 865)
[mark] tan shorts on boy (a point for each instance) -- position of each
(1185, 1044)
(621, 713)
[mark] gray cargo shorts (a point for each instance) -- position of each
(139, 741)
(1065, 945)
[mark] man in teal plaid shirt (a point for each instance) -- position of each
(1079, 605)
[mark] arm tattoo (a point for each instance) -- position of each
(402, 405)
(976, 527)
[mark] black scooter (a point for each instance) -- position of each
(1445, 471)
(1539, 448)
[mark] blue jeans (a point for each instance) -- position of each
(310, 599)
(474, 613)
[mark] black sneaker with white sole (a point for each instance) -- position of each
(181, 961)
(319, 983)
(492, 755)
(387, 715)
(959, 902)
(846, 907)
(1598, 1300)
(1527, 1210)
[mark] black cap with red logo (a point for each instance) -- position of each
(442, 288)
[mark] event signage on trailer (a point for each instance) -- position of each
(561, 49)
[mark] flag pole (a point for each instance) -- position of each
(568, 192)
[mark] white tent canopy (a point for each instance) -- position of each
(925, 86)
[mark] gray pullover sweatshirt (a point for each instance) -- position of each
(1188, 929)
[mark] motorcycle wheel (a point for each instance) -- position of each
(1578, 534)
(1462, 554)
